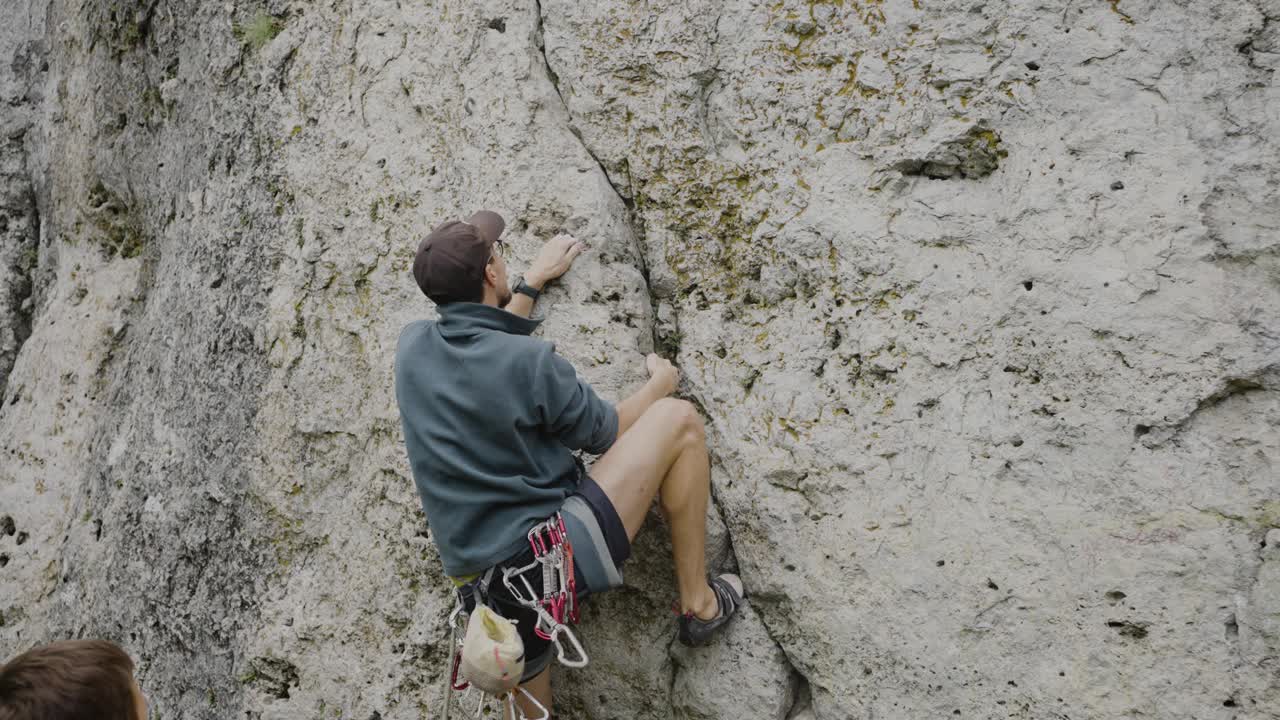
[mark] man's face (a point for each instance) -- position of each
(499, 264)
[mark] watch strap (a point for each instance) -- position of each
(525, 288)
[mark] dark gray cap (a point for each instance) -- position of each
(450, 262)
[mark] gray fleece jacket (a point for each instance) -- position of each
(490, 417)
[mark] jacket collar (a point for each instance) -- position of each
(462, 319)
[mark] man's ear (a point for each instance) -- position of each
(491, 274)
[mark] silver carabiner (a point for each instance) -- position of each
(550, 564)
(562, 574)
(516, 593)
(545, 622)
(517, 712)
(562, 629)
(457, 621)
(539, 537)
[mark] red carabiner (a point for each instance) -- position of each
(453, 674)
(573, 598)
(569, 573)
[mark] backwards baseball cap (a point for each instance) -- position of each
(449, 266)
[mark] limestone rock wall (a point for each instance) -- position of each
(979, 300)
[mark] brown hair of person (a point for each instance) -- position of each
(69, 680)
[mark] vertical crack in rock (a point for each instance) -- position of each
(639, 250)
(19, 214)
(19, 238)
(803, 698)
(675, 673)
(637, 228)
(637, 244)
(706, 82)
(541, 41)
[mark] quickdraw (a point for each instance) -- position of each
(557, 607)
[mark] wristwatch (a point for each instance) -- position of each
(524, 288)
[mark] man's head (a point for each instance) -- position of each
(71, 680)
(462, 261)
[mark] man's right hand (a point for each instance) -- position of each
(663, 373)
(553, 260)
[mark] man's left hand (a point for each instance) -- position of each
(554, 260)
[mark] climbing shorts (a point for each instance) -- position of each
(600, 546)
(598, 537)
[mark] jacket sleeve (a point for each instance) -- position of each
(569, 409)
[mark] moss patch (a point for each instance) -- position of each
(119, 229)
(976, 154)
(121, 26)
(260, 30)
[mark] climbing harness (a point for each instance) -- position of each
(556, 608)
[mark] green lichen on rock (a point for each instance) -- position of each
(707, 206)
(384, 206)
(976, 153)
(12, 615)
(154, 107)
(29, 258)
(260, 30)
(117, 225)
(1268, 516)
(1115, 8)
(984, 153)
(271, 676)
(122, 26)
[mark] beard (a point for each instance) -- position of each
(505, 298)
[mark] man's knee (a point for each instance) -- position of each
(683, 417)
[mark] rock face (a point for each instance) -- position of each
(980, 300)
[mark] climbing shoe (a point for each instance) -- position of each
(694, 631)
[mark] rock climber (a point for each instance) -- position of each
(71, 680)
(492, 416)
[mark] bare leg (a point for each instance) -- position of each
(666, 451)
(539, 687)
(686, 490)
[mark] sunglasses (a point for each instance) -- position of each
(499, 250)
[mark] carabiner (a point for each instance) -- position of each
(516, 593)
(453, 674)
(517, 712)
(581, 660)
(456, 620)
